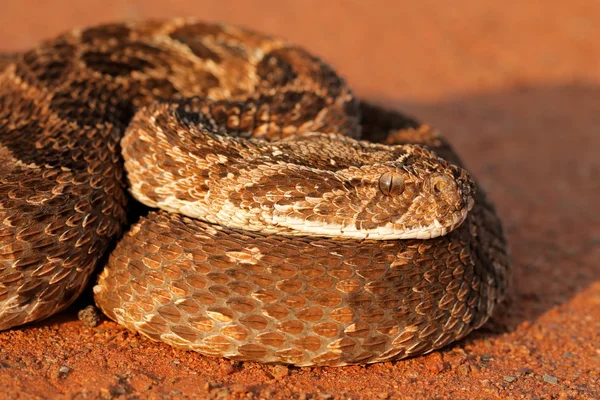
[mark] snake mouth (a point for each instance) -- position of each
(438, 229)
(389, 231)
(431, 231)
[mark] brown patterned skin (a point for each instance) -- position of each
(64, 107)
(181, 159)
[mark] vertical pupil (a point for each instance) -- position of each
(391, 184)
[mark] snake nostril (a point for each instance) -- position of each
(439, 184)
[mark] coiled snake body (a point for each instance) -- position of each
(299, 243)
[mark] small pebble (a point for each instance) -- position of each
(64, 370)
(228, 369)
(437, 363)
(550, 379)
(525, 371)
(280, 371)
(89, 316)
(117, 390)
(464, 370)
(238, 388)
(509, 378)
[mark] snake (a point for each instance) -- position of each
(236, 199)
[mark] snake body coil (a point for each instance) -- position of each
(298, 243)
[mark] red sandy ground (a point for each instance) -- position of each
(514, 85)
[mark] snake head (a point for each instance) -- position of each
(417, 195)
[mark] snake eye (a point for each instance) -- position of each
(391, 183)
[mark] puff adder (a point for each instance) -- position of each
(286, 234)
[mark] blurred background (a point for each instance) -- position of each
(387, 49)
(515, 87)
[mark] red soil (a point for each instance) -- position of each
(514, 85)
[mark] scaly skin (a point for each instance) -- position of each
(64, 108)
